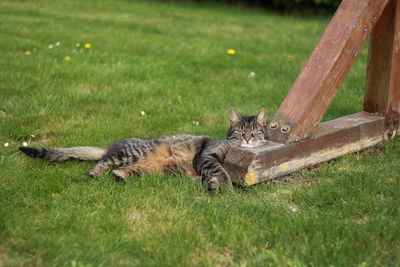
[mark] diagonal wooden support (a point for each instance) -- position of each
(298, 140)
(325, 70)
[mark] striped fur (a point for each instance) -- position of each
(200, 157)
(64, 154)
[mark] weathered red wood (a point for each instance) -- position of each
(325, 70)
(382, 93)
(332, 139)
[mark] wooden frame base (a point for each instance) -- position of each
(332, 139)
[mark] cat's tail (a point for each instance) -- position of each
(63, 154)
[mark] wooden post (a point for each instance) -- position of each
(382, 93)
(325, 70)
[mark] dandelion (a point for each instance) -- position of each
(24, 143)
(231, 51)
(6, 144)
(142, 113)
(88, 45)
(51, 46)
(27, 52)
(67, 58)
(252, 74)
(58, 43)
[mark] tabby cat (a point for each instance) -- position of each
(198, 156)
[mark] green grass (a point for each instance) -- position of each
(170, 61)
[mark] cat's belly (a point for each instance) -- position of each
(168, 158)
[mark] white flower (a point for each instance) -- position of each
(33, 136)
(6, 144)
(58, 44)
(252, 74)
(293, 209)
(51, 46)
(24, 143)
(142, 113)
(78, 44)
(195, 123)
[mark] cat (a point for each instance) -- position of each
(198, 156)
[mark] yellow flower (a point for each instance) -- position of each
(231, 51)
(67, 58)
(88, 45)
(27, 52)
(290, 56)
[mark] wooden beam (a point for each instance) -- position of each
(325, 70)
(382, 93)
(332, 139)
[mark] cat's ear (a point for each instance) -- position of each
(262, 117)
(234, 117)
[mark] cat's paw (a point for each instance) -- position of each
(118, 176)
(91, 174)
(213, 185)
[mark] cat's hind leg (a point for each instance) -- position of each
(100, 167)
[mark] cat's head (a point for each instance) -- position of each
(249, 130)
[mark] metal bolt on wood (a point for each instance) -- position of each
(285, 129)
(273, 125)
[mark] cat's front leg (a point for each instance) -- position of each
(213, 174)
(213, 185)
(216, 181)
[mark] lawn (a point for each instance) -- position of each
(169, 61)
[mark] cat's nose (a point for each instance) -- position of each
(247, 137)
